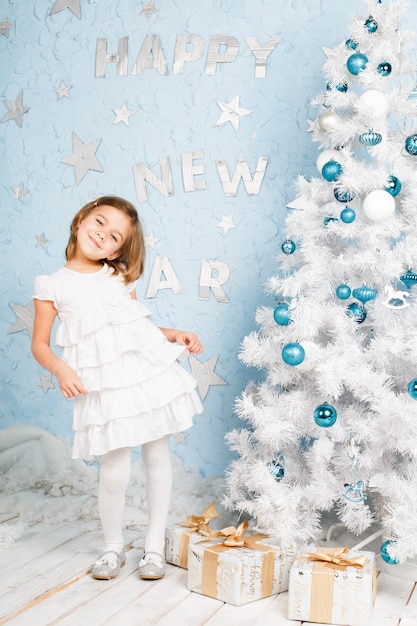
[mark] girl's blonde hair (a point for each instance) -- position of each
(130, 262)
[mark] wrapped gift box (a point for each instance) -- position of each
(239, 574)
(332, 586)
(178, 536)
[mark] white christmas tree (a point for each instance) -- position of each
(333, 427)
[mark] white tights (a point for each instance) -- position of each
(114, 479)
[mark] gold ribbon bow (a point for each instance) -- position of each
(336, 558)
(196, 524)
(234, 536)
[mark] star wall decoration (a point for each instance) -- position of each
(72, 5)
(16, 110)
(226, 223)
(19, 193)
(148, 9)
(82, 158)
(5, 27)
(151, 240)
(180, 438)
(205, 375)
(45, 382)
(123, 114)
(231, 112)
(41, 241)
(25, 317)
(62, 91)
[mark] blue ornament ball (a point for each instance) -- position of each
(394, 186)
(288, 246)
(332, 170)
(325, 415)
(384, 68)
(281, 314)
(370, 138)
(411, 145)
(371, 25)
(330, 218)
(357, 312)
(343, 196)
(392, 560)
(412, 388)
(342, 87)
(356, 63)
(343, 292)
(293, 353)
(348, 215)
(276, 470)
(351, 44)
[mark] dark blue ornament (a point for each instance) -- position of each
(332, 170)
(364, 294)
(371, 25)
(293, 353)
(409, 278)
(330, 218)
(343, 292)
(325, 415)
(412, 388)
(342, 87)
(384, 68)
(356, 63)
(370, 138)
(276, 470)
(351, 44)
(392, 560)
(394, 186)
(357, 312)
(288, 246)
(343, 196)
(411, 145)
(281, 314)
(348, 215)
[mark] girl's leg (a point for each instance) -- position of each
(157, 460)
(114, 478)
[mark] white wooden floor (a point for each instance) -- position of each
(45, 580)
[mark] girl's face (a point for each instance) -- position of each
(102, 234)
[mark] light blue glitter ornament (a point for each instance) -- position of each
(392, 560)
(371, 25)
(281, 314)
(348, 215)
(343, 292)
(325, 415)
(293, 353)
(288, 246)
(351, 44)
(356, 63)
(331, 171)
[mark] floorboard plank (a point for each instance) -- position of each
(392, 597)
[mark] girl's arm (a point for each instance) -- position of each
(183, 338)
(68, 381)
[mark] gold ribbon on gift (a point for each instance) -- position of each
(234, 538)
(322, 580)
(195, 524)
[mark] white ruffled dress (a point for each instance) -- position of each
(137, 390)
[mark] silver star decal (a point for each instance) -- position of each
(180, 438)
(45, 383)
(25, 316)
(205, 375)
(231, 112)
(72, 5)
(123, 114)
(19, 193)
(151, 240)
(5, 27)
(62, 91)
(41, 240)
(15, 109)
(226, 223)
(148, 9)
(82, 158)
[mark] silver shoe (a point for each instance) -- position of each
(152, 566)
(105, 568)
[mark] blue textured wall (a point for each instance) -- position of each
(49, 56)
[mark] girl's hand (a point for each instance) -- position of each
(69, 382)
(190, 340)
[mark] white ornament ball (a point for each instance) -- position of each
(326, 156)
(373, 103)
(329, 121)
(379, 205)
